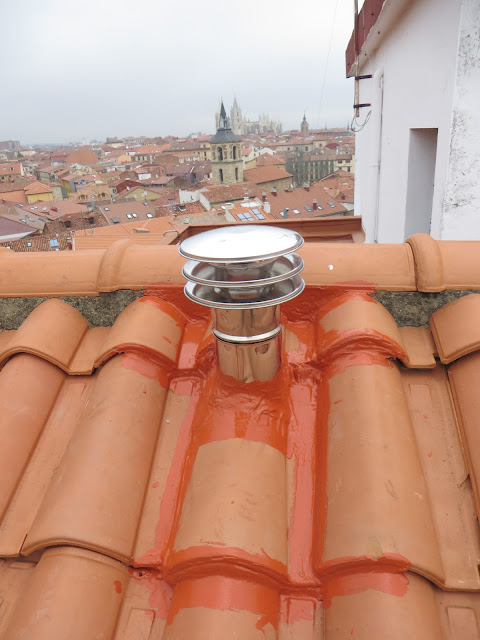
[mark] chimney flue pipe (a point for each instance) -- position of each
(244, 273)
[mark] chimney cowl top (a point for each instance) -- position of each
(244, 273)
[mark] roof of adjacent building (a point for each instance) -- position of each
(10, 168)
(221, 193)
(9, 227)
(37, 187)
(300, 202)
(267, 159)
(119, 212)
(269, 173)
(7, 187)
(339, 185)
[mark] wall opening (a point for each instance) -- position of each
(221, 175)
(422, 155)
(236, 174)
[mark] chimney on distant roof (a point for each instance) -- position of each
(264, 196)
(315, 204)
(274, 191)
(306, 186)
(244, 273)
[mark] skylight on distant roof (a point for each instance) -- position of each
(149, 215)
(296, 211)
(245, 217)
(107, 208)
(309, 208)
(258, 214)
(331, 204)
(115, 220)
(129, 215)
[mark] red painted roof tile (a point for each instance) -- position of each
(146, 494)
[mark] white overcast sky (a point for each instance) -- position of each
(91, 69)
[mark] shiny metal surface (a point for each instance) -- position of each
(243, 274)
(250, 362)
(246, 325)
(245, 297)
(241, 243)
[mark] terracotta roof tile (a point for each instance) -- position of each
(439, 266)
(464, 377)
(146, 494)
(456, 329)
(213, 490)
(265, 173)
(268, 159)
(36, 188)
(71, 346)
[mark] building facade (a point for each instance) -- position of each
(418, 157)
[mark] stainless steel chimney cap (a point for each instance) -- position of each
(241, 243)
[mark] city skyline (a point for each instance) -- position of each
(100, 72)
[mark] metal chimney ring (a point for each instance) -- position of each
(244, 273)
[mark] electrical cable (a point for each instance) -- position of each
(326, 63)
(355, 124)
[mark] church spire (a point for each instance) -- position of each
(223, 120)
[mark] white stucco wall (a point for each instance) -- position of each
(461, 210)
(417, 52)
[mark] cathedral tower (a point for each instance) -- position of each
(226, 153)
(304, 128)
(236, 120)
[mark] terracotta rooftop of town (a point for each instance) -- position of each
(37, 187)
(230, 192)
(145, 494)
(309, 201)
(267, 159)
(259, 175)
(339, 185)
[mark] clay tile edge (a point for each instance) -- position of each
(428, 262)
(455, 328)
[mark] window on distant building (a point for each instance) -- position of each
(234, 152)
(236, 174)
(221, 175)
(29, 244)
(220, 153)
